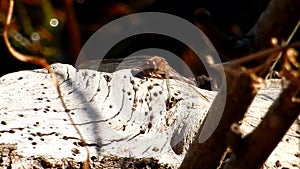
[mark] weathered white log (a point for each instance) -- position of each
(118, 114)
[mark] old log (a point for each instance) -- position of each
(124, 120)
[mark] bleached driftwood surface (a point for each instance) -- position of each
(118, 114)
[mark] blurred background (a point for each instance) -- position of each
(57, 29)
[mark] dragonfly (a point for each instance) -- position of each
(152, 66)
(157, 65)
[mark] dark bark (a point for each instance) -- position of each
(256, 147)
(278, 20)
(242, 86)
(243, 83)
(253, 150)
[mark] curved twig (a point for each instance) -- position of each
(42, 62)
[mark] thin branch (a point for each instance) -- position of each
(262, 54)
(285, 43)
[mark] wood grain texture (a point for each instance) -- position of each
(123, 118)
